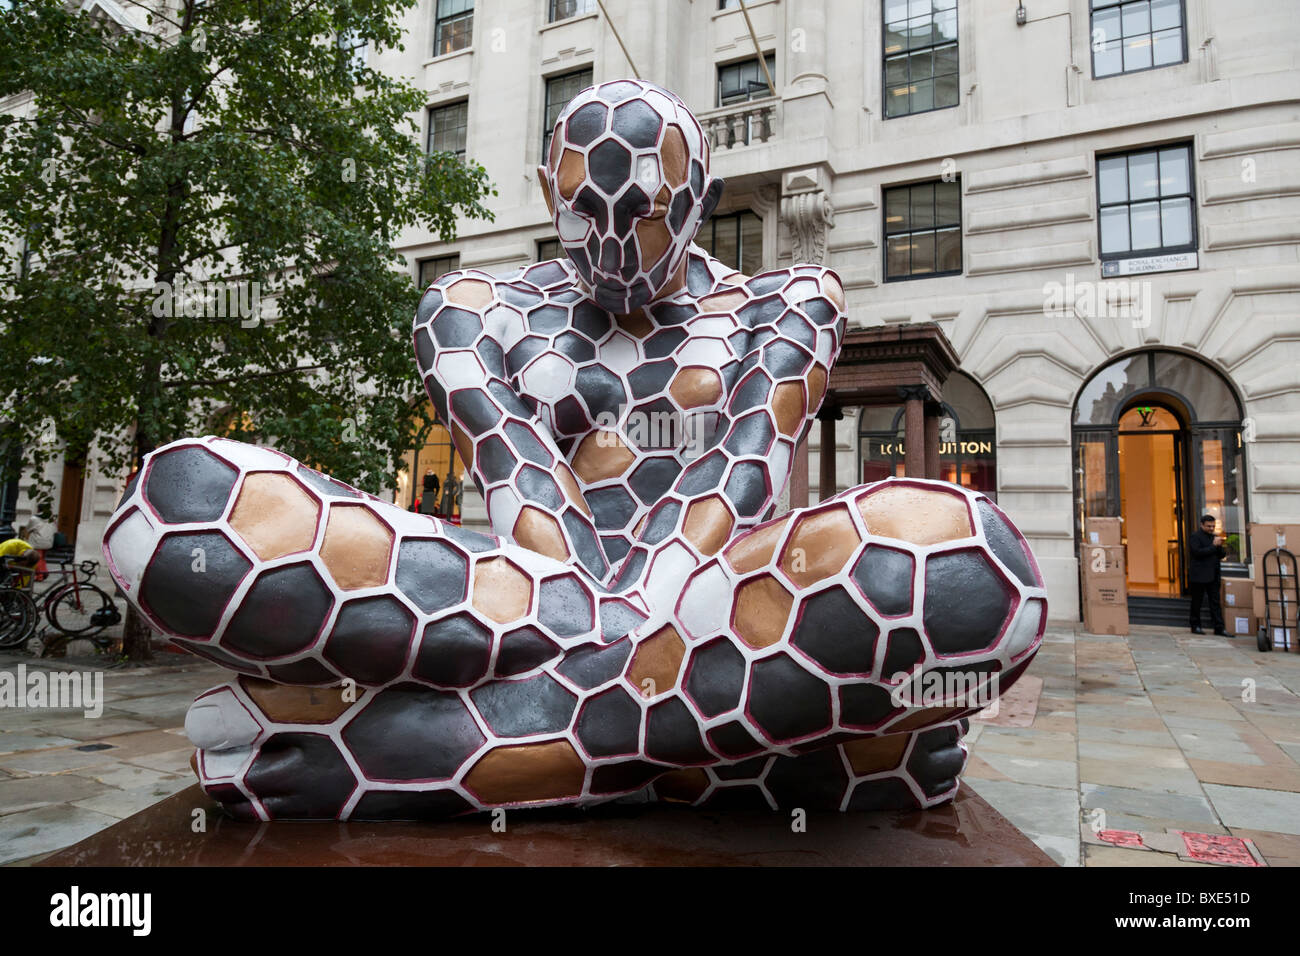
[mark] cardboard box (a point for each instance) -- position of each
(1237, 593)
(1266, 535)
(1105, 620)
(1103, 531)
(1239, 622)
(1105, 592)
(1098, 560)
(1284, 638)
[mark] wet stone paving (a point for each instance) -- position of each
(1161, 748)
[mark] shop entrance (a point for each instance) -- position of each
(1151, 455)
(1158, 442)
(431, 481)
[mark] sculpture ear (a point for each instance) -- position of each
(711, 197)
(546, 190)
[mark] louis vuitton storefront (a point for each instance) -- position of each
(1157, 441)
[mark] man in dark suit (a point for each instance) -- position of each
(1203, 574)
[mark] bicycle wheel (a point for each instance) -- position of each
(17, 617)
(81, 610)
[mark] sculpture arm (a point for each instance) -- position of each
(794, 340)
(531, 494)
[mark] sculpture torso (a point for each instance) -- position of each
(630, 401)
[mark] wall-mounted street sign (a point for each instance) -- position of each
(1145, 265)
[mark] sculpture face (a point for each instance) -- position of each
(628, 186)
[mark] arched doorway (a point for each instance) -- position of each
(432, 480)
(1157, 442)
(967, 438)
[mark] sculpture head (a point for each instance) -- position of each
(627, 182)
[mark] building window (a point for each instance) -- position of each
(447, 127)
(923, 230)
(559, 90)
(430, 270)
(735, 240)
(563, 9)
(1146, 202)
(728, 4)
(354, 48)
(548, 249)
(1132, 35)
(454, 26)
(920, 56)
(744, 81)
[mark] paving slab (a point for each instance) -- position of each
(1176, 806)
(1047, 815)
(29, 793)
(34, 832)
(1156, 779)
(1046, 773)
(1253, 808)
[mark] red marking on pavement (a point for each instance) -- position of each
(1209, 848)
(1128, 838)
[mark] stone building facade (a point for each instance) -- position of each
(1098, 203)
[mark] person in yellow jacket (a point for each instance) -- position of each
(17, 551)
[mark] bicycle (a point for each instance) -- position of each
(77, 609)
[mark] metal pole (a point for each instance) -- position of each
(762, 60)
(613, 29)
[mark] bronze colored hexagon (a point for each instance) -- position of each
(682, 786)
(274, 515)
(762, 610)
(540, 532)
(708, 524)
(820, 546)
(528, 773)
(357, 547)
(501, 591)
(925, 717)
(658, 659)
(834, 291)
(572, 171)
(693, 387)
(868, 755)
(637, 324)
(673, 151)
(602, 455)
(570, 486)
(751, 551)
(464, 444)
(728, 301)
(471, 293)
(652, 236)
(292, 704)
(788, 407)
(918, 515)
(816, 385)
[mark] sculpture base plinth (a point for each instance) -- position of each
(966, 832)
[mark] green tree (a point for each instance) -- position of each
(234, 148)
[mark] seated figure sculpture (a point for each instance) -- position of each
(639, 626)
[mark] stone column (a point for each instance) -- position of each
(914, 398)
(933, 412)
(826, 479)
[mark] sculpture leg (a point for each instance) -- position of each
(477, 674)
